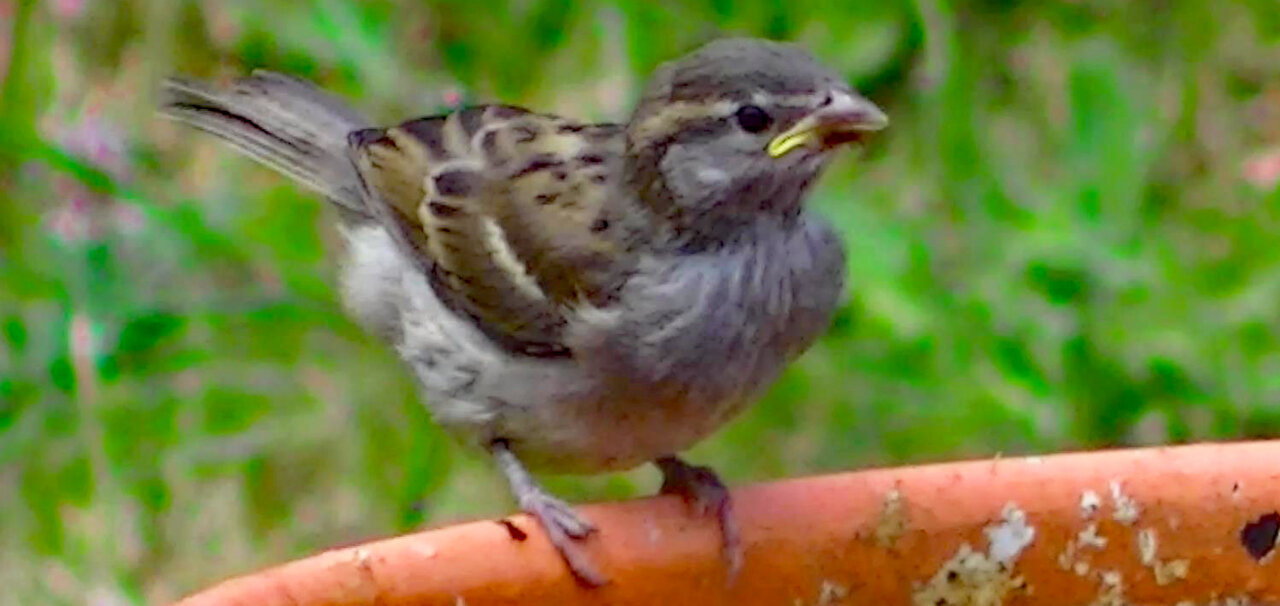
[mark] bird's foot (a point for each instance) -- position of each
(564, 528)
(703, 490)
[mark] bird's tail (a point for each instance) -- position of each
(283, 122)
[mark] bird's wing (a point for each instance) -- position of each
(505, 209)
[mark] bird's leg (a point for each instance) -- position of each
(563, 526)
(702, 489)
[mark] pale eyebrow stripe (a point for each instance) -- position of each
(681, 111)
(657, 125)
(788, 100)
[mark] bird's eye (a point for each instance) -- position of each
(753, 119)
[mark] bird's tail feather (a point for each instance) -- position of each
(283, 122)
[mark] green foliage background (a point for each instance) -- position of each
(1059, 244)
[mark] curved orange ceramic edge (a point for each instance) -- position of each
(1190, 525)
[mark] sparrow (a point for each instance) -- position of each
(574, 297)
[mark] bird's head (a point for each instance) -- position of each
(739, 129)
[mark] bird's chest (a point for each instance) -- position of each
(720, 323)
(695, 338)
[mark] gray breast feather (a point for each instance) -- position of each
(721, 325)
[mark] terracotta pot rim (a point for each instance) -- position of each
(1189, 524)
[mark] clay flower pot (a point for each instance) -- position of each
(1185, 525)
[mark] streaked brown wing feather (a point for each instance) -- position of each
(556, 209)
(504, 207)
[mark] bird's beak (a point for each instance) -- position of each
(847, 117)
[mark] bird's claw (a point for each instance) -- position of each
(702, 489)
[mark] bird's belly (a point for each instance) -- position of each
(612, 431)
(563, 416)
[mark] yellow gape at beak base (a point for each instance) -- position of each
(786, 142)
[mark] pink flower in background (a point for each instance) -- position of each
(72, 222)
(102, 143)
(68, 9)
(99, 141)
(1263, 169)
(452, 97)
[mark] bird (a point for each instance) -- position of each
(578, 297)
